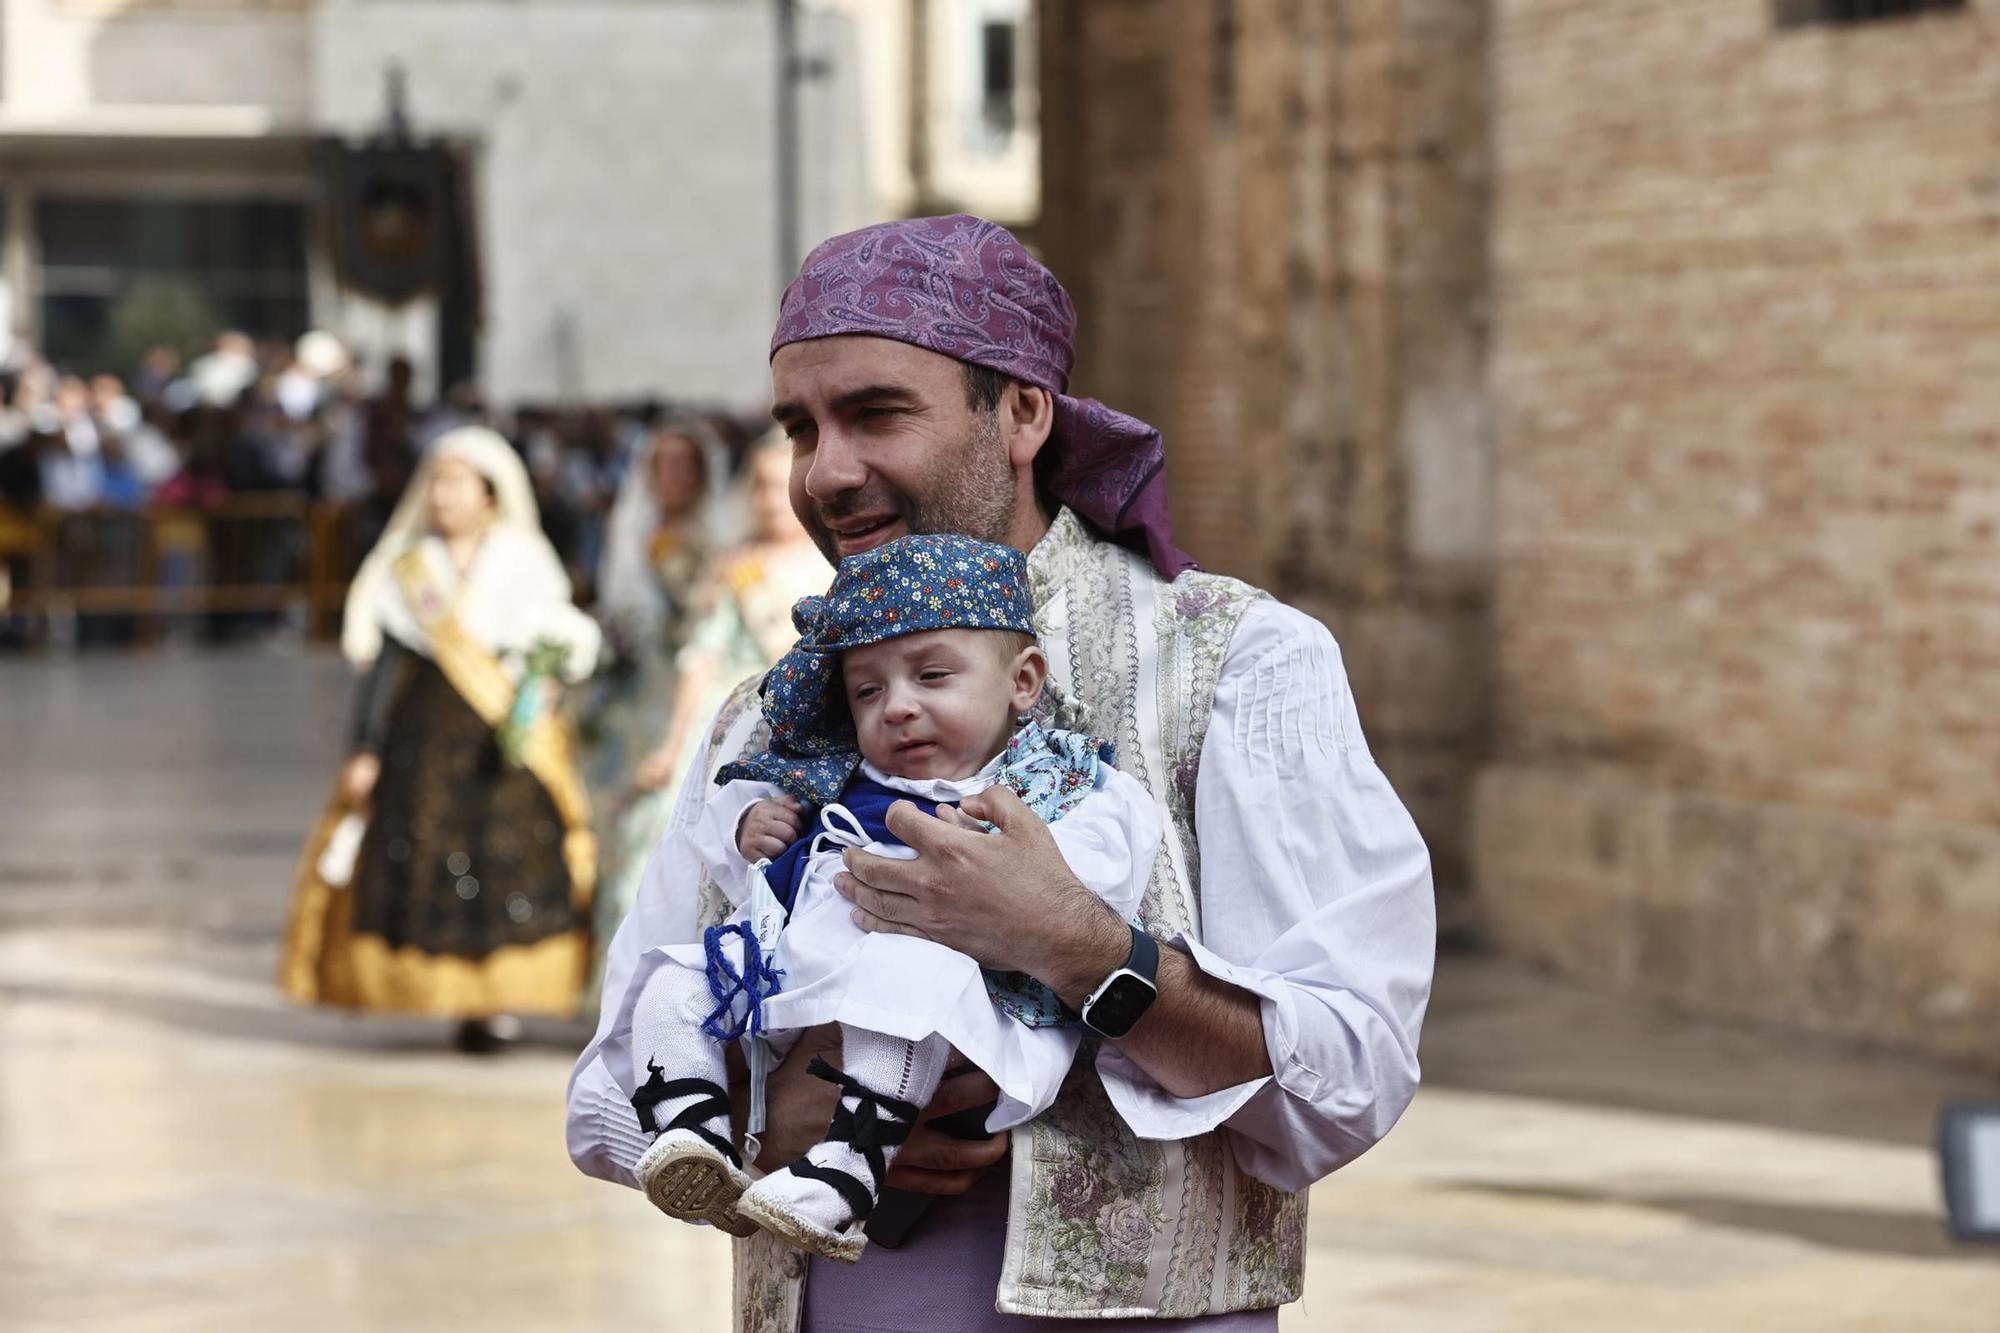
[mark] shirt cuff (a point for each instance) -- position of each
(1152, 1113)
(723, 855)
(736, 828)
(604, 1135)
(1279, 1010)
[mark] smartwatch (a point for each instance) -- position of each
(1123, 997)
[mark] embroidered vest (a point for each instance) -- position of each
(1102, 1224)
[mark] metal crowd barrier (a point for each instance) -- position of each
(275, 555)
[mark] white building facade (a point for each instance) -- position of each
(155, 161)
(948, 98)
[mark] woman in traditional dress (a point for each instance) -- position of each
(748, 623)
(747, 626)
(671, 516)
(667, 523)
(453, 874)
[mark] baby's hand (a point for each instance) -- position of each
(770, 827)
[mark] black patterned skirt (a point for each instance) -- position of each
(463, 898)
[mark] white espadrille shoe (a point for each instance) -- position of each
(691, 1171)
(763, 1205)
(686, 1177)
(821, 1202)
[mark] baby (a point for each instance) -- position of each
(913, 680)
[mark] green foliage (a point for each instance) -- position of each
(160, 310)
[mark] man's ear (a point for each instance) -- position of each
(1029, 673)
(1027, 415)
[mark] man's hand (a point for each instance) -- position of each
(769, 827)
(799, 1107)
(1007, 898)
(934, 1163)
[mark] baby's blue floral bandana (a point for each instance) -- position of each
(907, 586)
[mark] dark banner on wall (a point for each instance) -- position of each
(398, 225)
(390, 215)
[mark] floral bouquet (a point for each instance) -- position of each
(545, 660)
(565, 649)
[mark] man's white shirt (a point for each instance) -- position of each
(1316, 897)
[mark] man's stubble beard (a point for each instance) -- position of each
(971, 494)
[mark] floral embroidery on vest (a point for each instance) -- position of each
(1184, 1194)
(769, 1275)
(1094, 1230)
(1267, 1250)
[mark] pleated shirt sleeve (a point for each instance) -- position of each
(603, 1130)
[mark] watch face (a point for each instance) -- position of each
(1124, 1000)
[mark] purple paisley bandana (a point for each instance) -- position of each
(965, 288)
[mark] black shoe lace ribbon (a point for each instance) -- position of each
(711, 1102)
(867, 1129)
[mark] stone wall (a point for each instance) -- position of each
(1747, 382)
(1272, 214)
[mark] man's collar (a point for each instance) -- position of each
(1055, 557)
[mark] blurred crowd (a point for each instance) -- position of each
(239, 417)
(674, 527)
(193, 496)
(244, 418)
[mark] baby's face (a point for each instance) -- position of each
(937, 704)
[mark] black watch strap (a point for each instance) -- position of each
(1145, 959)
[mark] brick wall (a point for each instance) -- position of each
(1747, 381)
(1272, 214)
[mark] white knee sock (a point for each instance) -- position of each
(906, 1070)
(667, 1037)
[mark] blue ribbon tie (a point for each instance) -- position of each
(757, 982)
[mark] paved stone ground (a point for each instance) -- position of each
(181, 1151)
